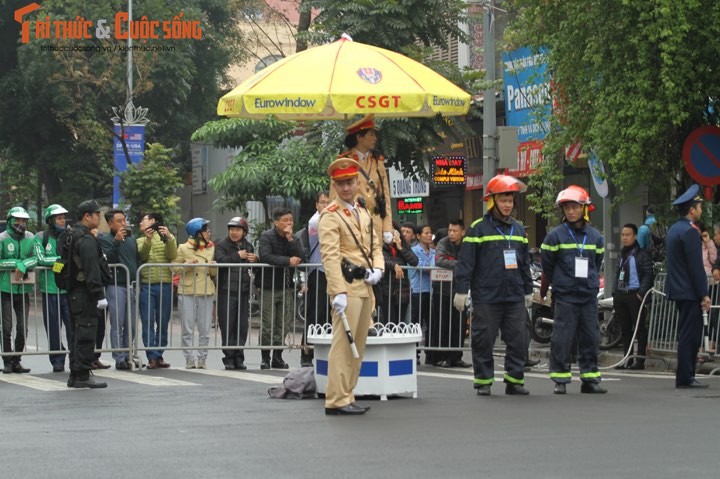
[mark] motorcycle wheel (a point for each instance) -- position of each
(610, 333)
(539, 332)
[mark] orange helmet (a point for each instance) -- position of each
(576, 194)
(503, 184)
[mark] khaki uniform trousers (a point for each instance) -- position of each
(343, 369)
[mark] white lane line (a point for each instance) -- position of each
(141, 378)
(34, 382)
(498, 374)
(222, 373)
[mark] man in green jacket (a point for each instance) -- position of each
(56, 311)
(17, 259)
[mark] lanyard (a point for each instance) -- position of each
(508, 237)
(623, 260)
(581, 248)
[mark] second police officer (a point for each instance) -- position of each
(494, 264)
(572, 255)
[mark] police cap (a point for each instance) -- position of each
(365, 123)
(692, 194)
(88, 206)
(343, 168)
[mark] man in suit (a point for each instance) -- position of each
(348, 240)
(687, 284)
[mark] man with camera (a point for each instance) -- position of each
(157, 245)
(120, 247)
(353, 261)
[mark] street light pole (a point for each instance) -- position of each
(129, 58)
(489, 120)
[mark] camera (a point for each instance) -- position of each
(128, 230)
(351, 271)
(156, 227)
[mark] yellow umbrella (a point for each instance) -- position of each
(341, 79)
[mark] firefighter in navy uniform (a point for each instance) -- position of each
(687, 284)
(89, 274)
(494, 264)
(352, 257)
(572, 254)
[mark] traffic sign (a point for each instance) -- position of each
(701, 155)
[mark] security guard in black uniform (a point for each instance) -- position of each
(687, 284)
(494, 263)
(89, 273)
(572, 254)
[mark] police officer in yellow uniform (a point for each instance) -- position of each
(372, 177)
(352, 266)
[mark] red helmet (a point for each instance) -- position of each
(573, 193)
(503, 184)
(238, 222)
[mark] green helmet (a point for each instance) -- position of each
(51, 211)
(17, 212)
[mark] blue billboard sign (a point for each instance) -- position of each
(527, 93)
(134, 136)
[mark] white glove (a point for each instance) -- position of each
(528, 300)
(374, 276)
(387, 237)
(339, 303)
(459, 301)
(102, 304)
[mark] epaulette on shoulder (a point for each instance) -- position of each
(332, 208)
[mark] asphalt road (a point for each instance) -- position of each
(213, 423)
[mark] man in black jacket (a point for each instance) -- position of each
(86, 294)
(233, 301)
(451, 324)
(634, 279)
(277, 248)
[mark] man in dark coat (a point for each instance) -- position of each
(687, 284)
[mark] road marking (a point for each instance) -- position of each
(142, 378)
(258, 378)
(469, 377)
(34, 382)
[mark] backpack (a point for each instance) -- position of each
(63, 268)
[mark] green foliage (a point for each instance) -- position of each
(634, 80)
(55, 107)
(151, 186)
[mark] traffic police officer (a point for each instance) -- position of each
(89, 273)
(572, 255)
(687, 284)
(345, 238)
(372, 177)
(494, 264)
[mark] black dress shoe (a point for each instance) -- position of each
(58, 368)
(444, 364)
(122, 365)
(483, 390)
(71, 380)
(265, 364)
(7, 368)
(460, 364)
(241, 366)
(18, 368)
(559, 388)
(637, 365)
(592, 388)
(622, 366)
(364, 408)
(693, 385)
(349, 410)
(97, 364)
(89, 383)
(278, 363)
(515, 390)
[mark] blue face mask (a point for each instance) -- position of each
(58, 229)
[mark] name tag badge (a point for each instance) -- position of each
(581, 267)
(621, 276)
(510, 259)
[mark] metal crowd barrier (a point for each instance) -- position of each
(47, 319)
(663, 322)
